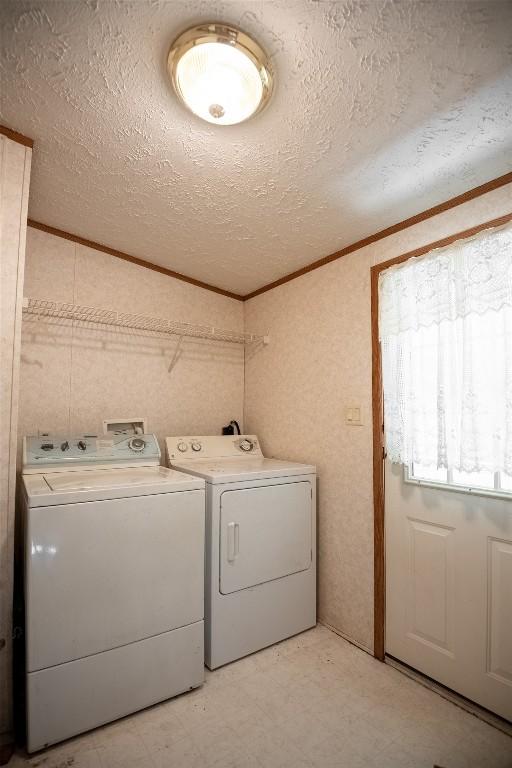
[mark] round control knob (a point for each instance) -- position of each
(47, 446)
(81, 445)
(136, 444)
(182, 447)
(195, 445)
(246, 445)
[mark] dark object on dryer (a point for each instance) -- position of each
(230, 429)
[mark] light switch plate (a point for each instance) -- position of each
(353, 416)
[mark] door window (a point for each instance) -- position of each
(483, 483)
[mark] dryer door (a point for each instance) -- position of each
(265, 534)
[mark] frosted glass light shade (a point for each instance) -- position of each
(219, 73)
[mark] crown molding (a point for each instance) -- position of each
(15, 136)
(383, 233)
(131, 259)
(501, 181)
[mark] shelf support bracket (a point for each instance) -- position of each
(176, 355)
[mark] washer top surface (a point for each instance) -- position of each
(68, 487)
(228, 459)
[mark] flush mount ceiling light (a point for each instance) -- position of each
(220, 73)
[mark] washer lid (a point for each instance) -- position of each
(96, 485)
(242, 469)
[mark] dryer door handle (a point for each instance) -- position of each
(233, 541)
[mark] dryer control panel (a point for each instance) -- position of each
(47, 451)
(212, 447)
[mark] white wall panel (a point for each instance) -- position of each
(15, 161)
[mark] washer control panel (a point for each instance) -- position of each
(63, 451)
(212, 447)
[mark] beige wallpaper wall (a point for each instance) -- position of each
(15, 162)
(71, 379)
(297, 388)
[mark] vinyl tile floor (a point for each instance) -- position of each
(314, 701)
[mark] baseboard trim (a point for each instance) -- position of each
(460, 701)
(350, 640)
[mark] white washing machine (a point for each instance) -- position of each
(114, 581)
(260, 543)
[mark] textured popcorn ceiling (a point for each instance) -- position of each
(382, 109)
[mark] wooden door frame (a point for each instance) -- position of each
(379, 562)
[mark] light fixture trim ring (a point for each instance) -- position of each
(228, 35)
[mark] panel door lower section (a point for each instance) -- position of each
(71, 698)
(103, 574)
(499, 656)
(429, 602)
(265, 534)
(449, 588)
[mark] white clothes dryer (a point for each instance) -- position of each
(260, 543)
(114, 581)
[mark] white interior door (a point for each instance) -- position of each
(449, 588)
(265, 534)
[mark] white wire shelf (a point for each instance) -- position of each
(44, 308)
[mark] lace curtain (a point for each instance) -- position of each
(445, 326)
